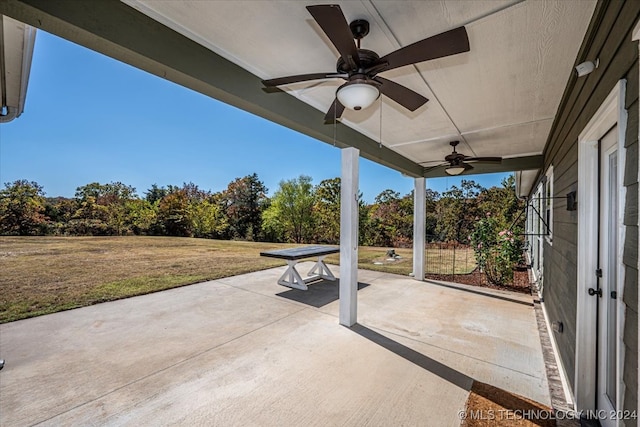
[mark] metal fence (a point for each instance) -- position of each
(449, 258)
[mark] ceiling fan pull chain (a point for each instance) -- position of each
(380, 142)
(335, 121)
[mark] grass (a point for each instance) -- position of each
(42, 275)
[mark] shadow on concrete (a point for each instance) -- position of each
(319, 293)
(479, 292)
(443, 371)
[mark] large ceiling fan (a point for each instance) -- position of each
(360, 67)
(458, 163)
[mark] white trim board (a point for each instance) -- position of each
(610, 113)
(635, 37)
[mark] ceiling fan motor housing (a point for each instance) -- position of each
(367, 59)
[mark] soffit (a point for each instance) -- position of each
(499, 99)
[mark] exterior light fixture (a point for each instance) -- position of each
(455, 170)
(587, 67)
(357, 95)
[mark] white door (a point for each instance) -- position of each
(608, 277)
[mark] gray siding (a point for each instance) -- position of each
(630, 257)
(609, 39)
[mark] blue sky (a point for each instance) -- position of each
(89, 118)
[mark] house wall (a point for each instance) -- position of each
(608, 38)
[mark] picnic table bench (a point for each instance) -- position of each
(291, 278)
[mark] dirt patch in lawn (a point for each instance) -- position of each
(489, 406)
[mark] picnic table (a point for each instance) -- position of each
(291, 277)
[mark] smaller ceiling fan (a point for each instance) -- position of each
(458, 163)
(360, 67)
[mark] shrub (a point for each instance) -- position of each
(503, 257)
(496, 252)
(483, 238)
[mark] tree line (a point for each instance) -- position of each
(298, 211)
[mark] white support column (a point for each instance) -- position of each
(349, 237)
(419, 227)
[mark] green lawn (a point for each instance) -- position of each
(42, 275)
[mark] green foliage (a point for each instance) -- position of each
(141, 216)
(503, 204)
(245, 199)
(291, 211)
(457, 211)
(173, 214)
(207, 219)
(432, 199)
(504, 255)
(327, 211)
(483, 239)
(102, 209)
(497, 253)
(391, 220)
(155, 194)
(22, 208)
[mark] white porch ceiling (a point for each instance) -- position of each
(499, 99)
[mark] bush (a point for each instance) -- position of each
(502, 258)
(483, 238)
(496, 253)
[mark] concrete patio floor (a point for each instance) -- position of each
(246, 351)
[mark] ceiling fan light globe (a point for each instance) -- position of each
(357, 96)
(455, 170)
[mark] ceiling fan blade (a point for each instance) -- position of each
(483, 159)
(402, 95)
(334, 113)
(335, 26)
(301, 78)
(434, 167)
(444, 44)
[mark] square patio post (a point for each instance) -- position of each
(349, 237)
(419, 226)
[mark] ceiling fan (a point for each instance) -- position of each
(360, 67)
(458, 163)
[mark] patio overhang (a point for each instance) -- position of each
(16, 50)
(499, 99)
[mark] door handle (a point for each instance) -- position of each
(593, 292)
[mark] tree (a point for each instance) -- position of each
(291, 210)
(60, 211)
(112, 199)
(207, 219)
(141, 216)
(155, 193)
(22, 208)
(245, 200)
(431, 219)
(503, 204)
(173, 214)
(391, 220)
(327, 211)
(458, 210)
